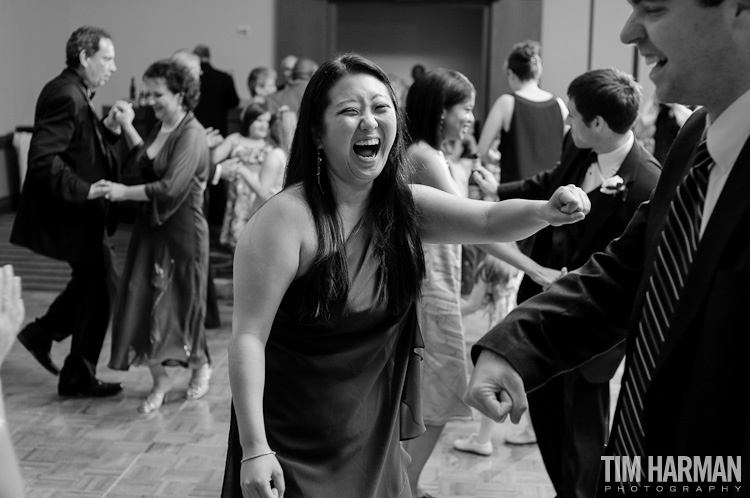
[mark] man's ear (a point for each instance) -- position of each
(83, 58)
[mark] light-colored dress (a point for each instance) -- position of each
(444, 373)
(242, 201)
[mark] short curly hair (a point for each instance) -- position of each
(178, 78)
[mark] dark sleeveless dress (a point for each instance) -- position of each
(533, 142)
(339, 397)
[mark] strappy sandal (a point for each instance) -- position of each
(153, 402)
(198, 386)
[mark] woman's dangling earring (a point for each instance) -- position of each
(319, 162)
(442, 125)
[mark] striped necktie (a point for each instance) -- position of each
(675, 253)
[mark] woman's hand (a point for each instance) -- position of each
(543, 276)
(568, 204)
(99, 189)
(229, 168)
(257, 474)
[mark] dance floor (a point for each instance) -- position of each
(96, 448)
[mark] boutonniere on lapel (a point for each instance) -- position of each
(614, 185)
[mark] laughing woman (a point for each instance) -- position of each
(324, 376)
(160, 306)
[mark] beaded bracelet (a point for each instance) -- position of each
(257, 456)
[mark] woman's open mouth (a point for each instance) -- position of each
(367, 148)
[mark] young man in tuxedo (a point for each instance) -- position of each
(674, 285)
(570, 413)
(65, 214)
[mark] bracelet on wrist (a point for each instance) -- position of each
(245, 459)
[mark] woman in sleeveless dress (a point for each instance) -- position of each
(439, 111)
(158, 319)
(527, 126)
(323, 359)
(257, 168)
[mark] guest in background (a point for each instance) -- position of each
(159, 314)
(286, 66)
(213, 138)
(261, 82)
(658, 124)
(439, 109)
(322, 365)
(11, 317)
(63, 212)
(257, 170)
(528, 123)
(570, 413)
(217, 93)
(189, 59)
(218, 97)
(291, 95)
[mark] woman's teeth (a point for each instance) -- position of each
(367, 148)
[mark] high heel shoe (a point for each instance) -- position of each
(198, 386)
(153, 402)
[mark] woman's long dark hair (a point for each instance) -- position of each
(390, 216)
(436, 91)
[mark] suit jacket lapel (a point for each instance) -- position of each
(604, 205)
(732, 206)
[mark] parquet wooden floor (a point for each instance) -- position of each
(88, 448)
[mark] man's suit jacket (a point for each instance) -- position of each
(218, 97)
(695, 403)
(70, 149)
(572, 245)
(290, 96)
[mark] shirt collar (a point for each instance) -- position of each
(610, 162)
(727, 135)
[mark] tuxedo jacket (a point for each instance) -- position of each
(695, 403)
(572, 245)
(218, 96)
(70, 149)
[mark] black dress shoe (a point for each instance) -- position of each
(93, 389)
(29, 337)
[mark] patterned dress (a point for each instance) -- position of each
(242, 201)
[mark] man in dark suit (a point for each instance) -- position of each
(291, 95)
(64, 212)
(218, 97)
(674, 285)
(570, 413)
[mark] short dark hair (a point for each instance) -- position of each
(178, 78)
(438, 90)
(257, 75)
(249, 114)
(610, 93)
(417, 71)
(525, 60)
(86, 38)
(202, 51)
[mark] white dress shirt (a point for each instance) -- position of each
(607, 165)
(726, 137)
